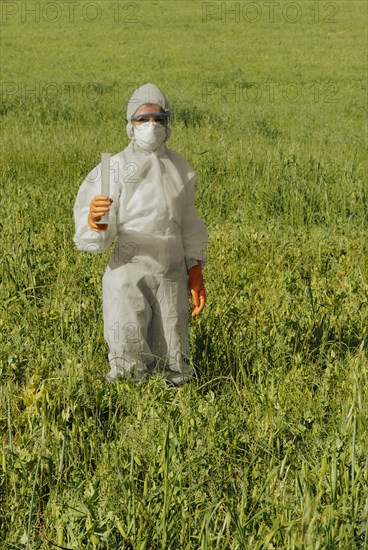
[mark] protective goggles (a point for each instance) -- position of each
(161, 118)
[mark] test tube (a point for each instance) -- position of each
(105, 181)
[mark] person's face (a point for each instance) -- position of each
(150, 112)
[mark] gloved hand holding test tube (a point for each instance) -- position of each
(98, 218)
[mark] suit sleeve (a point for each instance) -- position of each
(194, 232)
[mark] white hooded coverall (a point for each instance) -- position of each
(159, 234)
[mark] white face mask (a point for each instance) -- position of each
(150, 135)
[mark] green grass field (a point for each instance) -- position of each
(267, 448)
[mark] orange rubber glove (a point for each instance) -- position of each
(98, 208)
(197, 289)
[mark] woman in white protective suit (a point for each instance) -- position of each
(160, 246)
